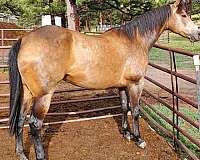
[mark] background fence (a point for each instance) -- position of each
(150, 109)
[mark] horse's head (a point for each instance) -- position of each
(180, 23)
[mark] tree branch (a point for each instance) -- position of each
(12, 8)
(113, 6)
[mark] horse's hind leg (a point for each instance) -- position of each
(26, 104)
(125, 100)
(135, 91)
(39, 111)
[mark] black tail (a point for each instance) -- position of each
(16, 89)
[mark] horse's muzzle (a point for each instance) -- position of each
(195, 37)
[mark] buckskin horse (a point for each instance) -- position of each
(118, 58)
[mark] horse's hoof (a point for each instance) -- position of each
(141, 143)
(127, 135)
(22, 156)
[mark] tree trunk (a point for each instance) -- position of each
(100, 22)
(63, 17)
(87, 24)
(71, 14)
(52, 16)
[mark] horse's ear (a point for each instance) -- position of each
(181, 4)
(177, 3)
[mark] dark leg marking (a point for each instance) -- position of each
(39, 112)
(125, 108)
(19, 137)
(35, 126)
(136, 130)
(26, 104)
(135, 91)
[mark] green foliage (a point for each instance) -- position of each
(113, 9)
(196, 7)
(29, 11)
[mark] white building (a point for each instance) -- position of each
(46, 20)
(7, 18)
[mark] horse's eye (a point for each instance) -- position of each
(184, 15)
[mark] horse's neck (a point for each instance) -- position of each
(151, 37)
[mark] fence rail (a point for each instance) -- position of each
(174, 106)
(4, 38)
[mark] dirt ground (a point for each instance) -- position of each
(91, 140)
(96, 139)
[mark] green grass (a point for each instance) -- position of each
(175, 41)
(182, 124)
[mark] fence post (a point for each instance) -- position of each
(196, 64)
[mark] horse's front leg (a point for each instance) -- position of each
(39, 112)
(135, 90)
(125, 101)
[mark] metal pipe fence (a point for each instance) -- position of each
(4, 38)
(174, 105)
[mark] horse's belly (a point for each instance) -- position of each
(96, 81)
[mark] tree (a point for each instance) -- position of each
(72, 15)
(112, 11)
(29, 12)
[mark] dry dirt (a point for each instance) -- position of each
(96, 139)
(91, 140)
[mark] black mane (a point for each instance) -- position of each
(147, 21)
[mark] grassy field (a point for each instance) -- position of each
(175, 41)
